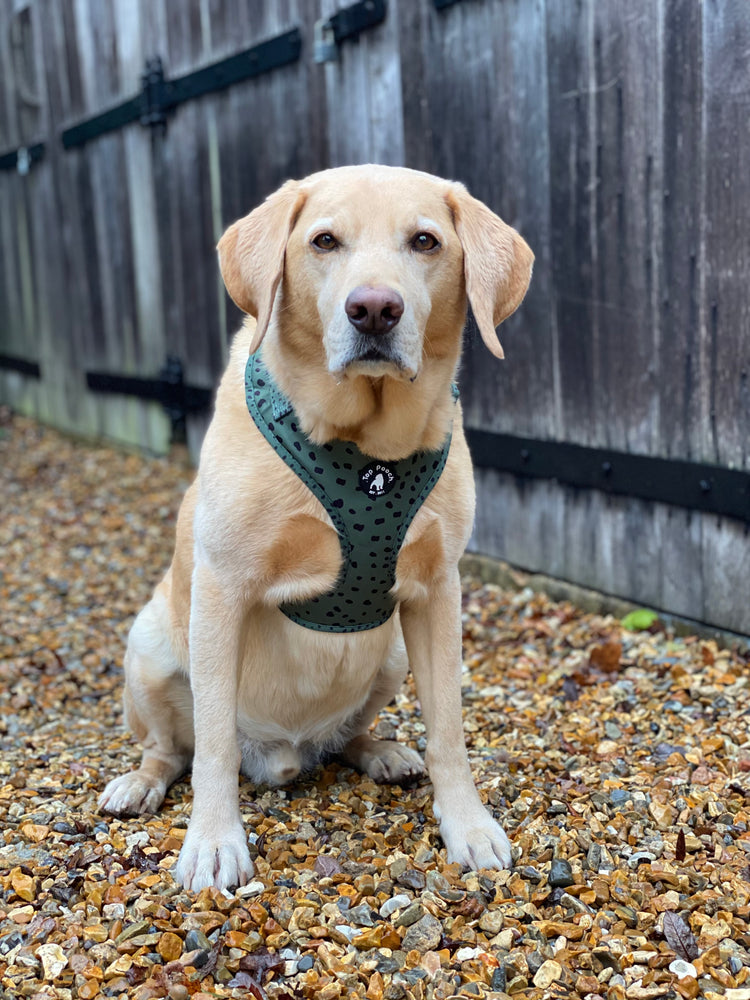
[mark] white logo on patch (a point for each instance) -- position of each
(377, 479)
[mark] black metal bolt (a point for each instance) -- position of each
(607, 468)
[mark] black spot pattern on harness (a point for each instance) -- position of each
(371, 530)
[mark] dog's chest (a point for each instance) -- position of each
(370, 502)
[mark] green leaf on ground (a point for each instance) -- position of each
(639, 620)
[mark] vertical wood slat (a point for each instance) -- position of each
(726, 307)
(572, 179)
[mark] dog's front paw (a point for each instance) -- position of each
(475, 840)
(219, 859)
(132, 794)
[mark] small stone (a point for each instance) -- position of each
(436, 882)
(361, 915)
(96, 933)
(548, 972)
(681, 969)
(619, 796)
(305, 963)
(712, 933)
(640, 858)
(394, 903)
(560, 873)
(531, 874)
(35, 832)
(23, 885)
(169, 947)
(251, 889)
(611, 731)
(491, 921)
(21, 914)
(132, 931)
(504, 939)
(88, 990)
(197, 940)
(424, 935)
(411, 878)
(431, 963)
(663, 813)
(467, 954)
(410, 915)
(53, 960)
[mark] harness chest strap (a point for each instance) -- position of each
(370, 502)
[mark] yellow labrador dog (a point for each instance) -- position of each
(317, 551)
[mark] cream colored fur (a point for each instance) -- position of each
(215, 673)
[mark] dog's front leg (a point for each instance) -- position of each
(215, 849)
(432, 630)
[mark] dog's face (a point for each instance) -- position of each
(377, 273)
(377, 263)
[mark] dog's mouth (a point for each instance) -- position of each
(376, 354)
(375, 361)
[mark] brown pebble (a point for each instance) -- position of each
(169, 947)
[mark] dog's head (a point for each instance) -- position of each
(377, 264)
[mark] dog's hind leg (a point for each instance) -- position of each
(158, 710)
(383, 760)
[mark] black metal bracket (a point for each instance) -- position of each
(169, 389)
(709, 488)
(160, 95)
(350, 21)
(13, 364)
(345, 23)
(442, 4)
(23, 158)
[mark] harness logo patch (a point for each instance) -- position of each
(377, 479)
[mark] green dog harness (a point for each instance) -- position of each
(370, 502)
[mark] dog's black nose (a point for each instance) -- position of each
(374, 309)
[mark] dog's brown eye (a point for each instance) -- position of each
(424, 242)
(325, 241)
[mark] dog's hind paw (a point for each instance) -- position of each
(132, 794)
(385, 761)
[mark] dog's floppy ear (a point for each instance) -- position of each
(497, 263)
(251, 255)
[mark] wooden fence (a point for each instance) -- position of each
(613, 135)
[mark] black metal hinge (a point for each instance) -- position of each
(709, 488)
(23, 158)
(169, 389)
(350, 21)
(21, 365)
(345, 23)
(160, 95)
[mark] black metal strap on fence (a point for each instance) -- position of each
(350, 21)
(160, 95)
(168, 388)
(13, 364)
(709, 488)
(23, 158)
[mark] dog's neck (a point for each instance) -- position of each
(385, 417)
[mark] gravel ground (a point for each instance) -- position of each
(618, 761)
